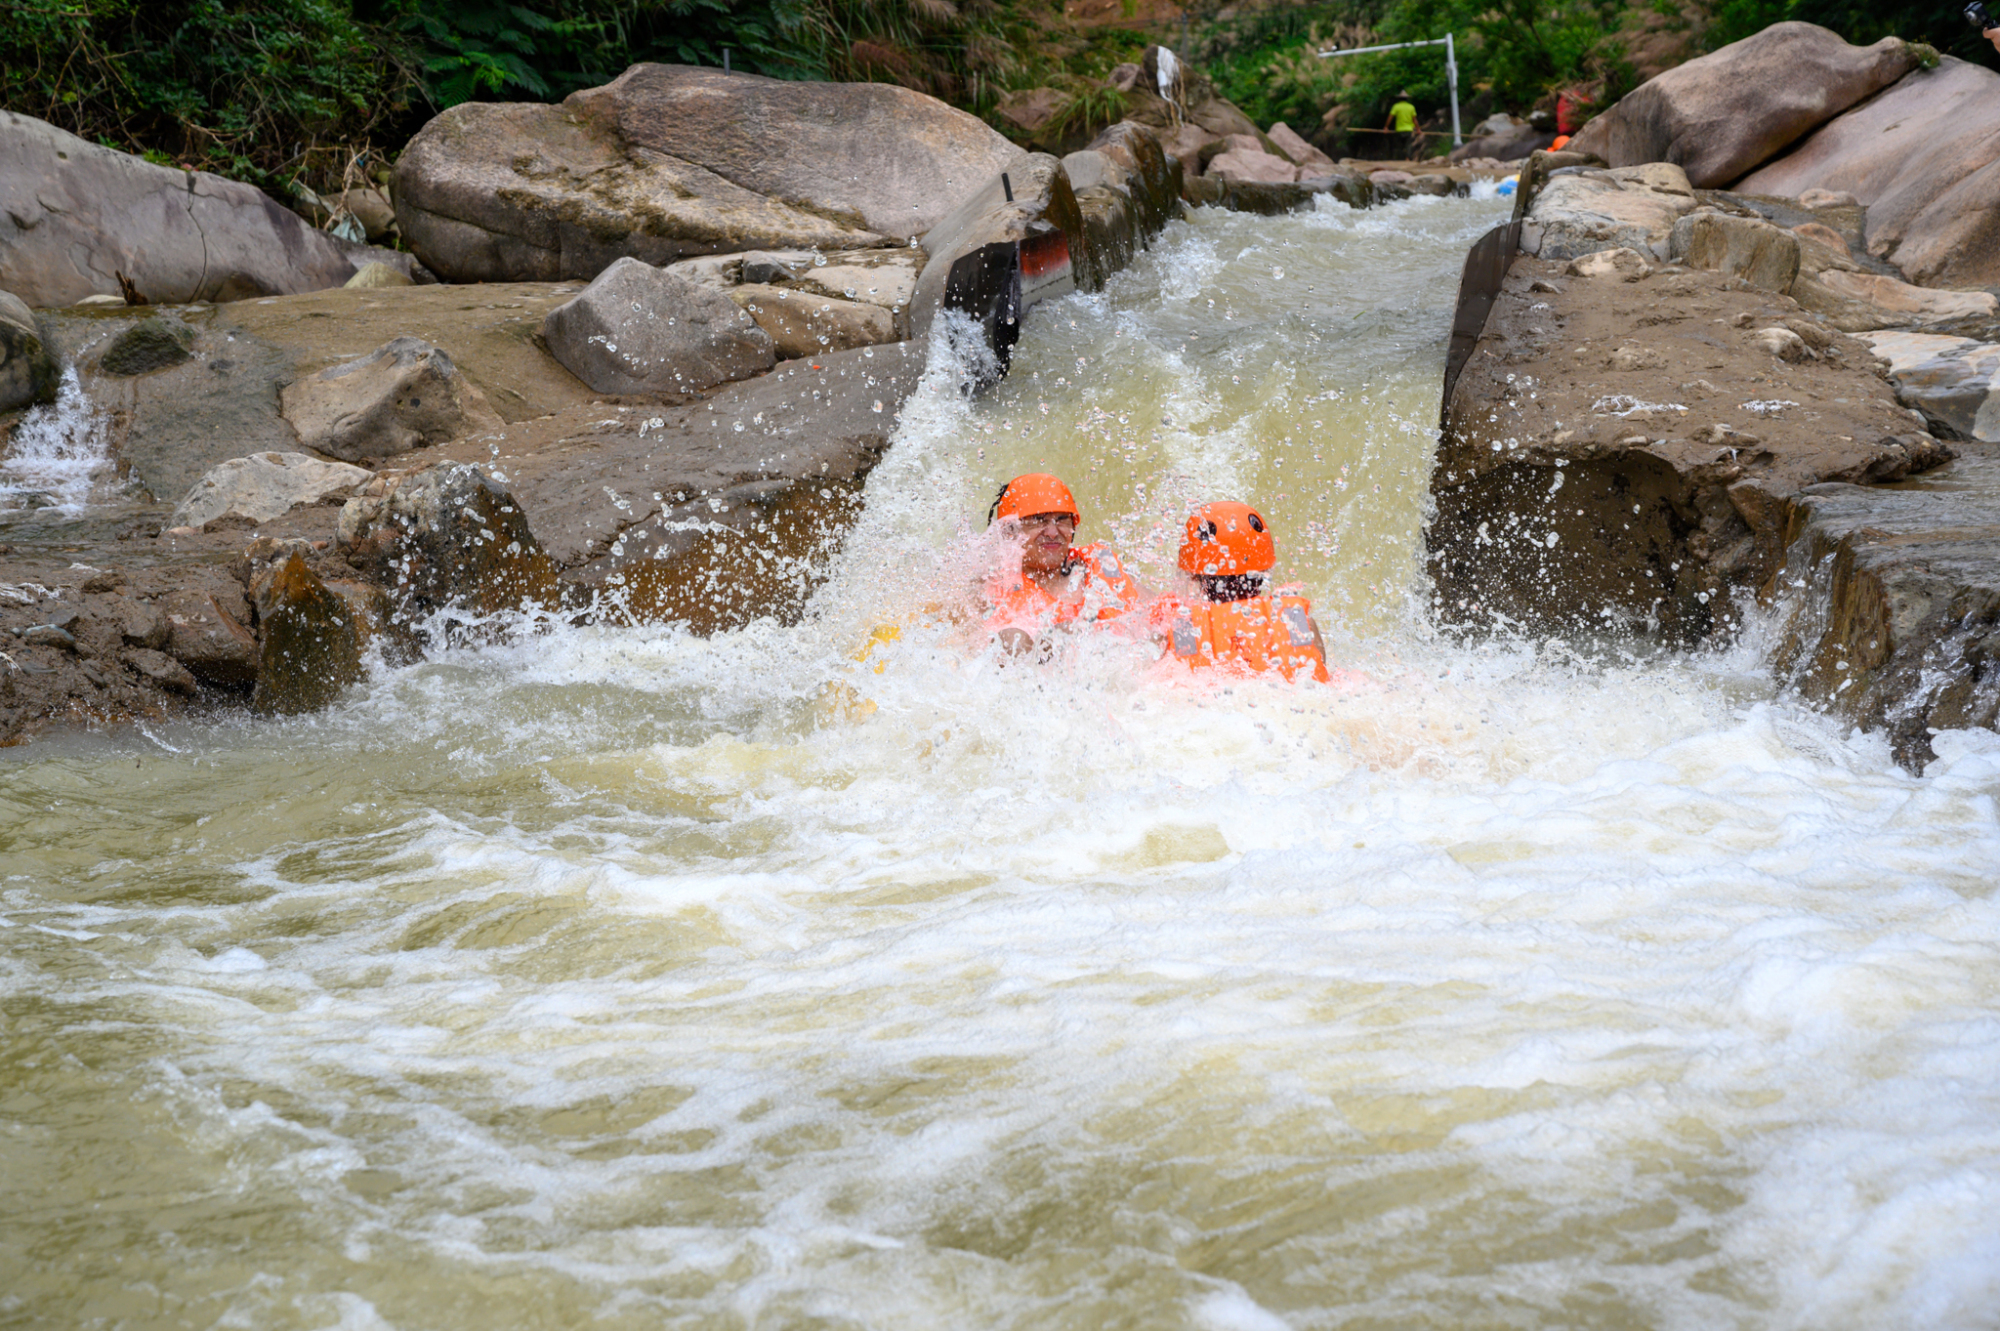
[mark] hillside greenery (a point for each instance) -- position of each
(278, 91)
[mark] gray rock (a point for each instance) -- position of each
(636, 329)
(1727, 112)
(1761, 254)
(74, 215)
(711, 513)
(1041, 228)
(671, 161)
(710, 270)
(265, 486)
(161, 669)
(401, 396)
(1310, 160)
(1951, 380)
(28, 369)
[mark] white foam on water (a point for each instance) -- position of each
(59, 455)
(616, 975)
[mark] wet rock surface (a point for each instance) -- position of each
(1619, 448)
(28, 369)
(1893, 597)
(715, 513)
(309, 648)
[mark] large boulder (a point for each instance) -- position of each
(75, 216)
(637, 329)
(1582, 210)
(265, 486)
(1152, 176)
(1925, 159)
(669, 161)
(1731, 110)
(28, 370)
(403, 395)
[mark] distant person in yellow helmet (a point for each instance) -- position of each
(1229, 621)
(1403, 120)
(1057, 584)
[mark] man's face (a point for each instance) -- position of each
(1048, 536)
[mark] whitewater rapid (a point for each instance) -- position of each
(616, 977)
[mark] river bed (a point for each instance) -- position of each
(618, 978)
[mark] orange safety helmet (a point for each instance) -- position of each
(1037, 492)
(1562, 142)
(1226, 539)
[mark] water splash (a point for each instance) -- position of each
(59, 456)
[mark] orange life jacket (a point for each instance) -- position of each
(1253, 635)
(1095, 586)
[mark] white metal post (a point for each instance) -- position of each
(1451, 78)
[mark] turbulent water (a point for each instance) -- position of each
(615, 978)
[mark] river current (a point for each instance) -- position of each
(616, 978)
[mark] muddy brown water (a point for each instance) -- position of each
(615, 977)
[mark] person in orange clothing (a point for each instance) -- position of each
(1057, 584)
(1230, 622)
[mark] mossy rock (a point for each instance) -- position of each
(153, 344)
(28, 369)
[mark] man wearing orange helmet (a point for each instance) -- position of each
(1231, 623)
(1057, 584)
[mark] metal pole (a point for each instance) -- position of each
(1451, 77)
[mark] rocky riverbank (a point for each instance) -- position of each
(1687, 401)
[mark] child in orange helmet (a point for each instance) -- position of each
(1231, 622)
(1057, 584)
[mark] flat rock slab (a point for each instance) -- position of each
(170, 426)
(1580, 211)
(1617, 452)
(264, 486)
(1949, 379)
(712, 513)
